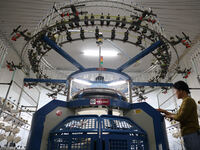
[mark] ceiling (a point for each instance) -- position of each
(175, 16)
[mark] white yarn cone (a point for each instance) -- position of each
(17, 139)
(2, 101)
(8, 105)
(16, 130)
(8, 128)
(8, 118)
(10, 138)
(2, 126)
(2, 137)
(14, 111)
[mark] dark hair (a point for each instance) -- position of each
(181, 85)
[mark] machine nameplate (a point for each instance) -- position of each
(99, 101)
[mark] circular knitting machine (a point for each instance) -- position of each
(99, 112)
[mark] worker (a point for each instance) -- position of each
(187, 116)
(198, 108)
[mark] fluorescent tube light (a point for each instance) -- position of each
(117, 83)
(104, 53)
(82, 82)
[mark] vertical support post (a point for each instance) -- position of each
(20, 96)
(38, 98)
(158, 99)
(100, 56)
(130, 90)
(38, 102)
(69, 89)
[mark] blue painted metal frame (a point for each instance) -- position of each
(159, 124)
(152, 84)
(37, 127)
(65, 81)
(44, 80)
(140, 55)
(96, 70)
(62, 52)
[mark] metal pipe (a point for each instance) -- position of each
(28, 106)
(130, 90)
(62, 53)
(140, 55)
(158, 99)
(5, 83)
(99, 56)
(20, 96)
(69, 89)
(38, 100)
(152, 84)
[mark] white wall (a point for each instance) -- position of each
(45, 99)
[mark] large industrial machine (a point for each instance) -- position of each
(100, 112)
(97, 115)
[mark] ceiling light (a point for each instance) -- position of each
(117, 83)
(104, 53)
(82, 82)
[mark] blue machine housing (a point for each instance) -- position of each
(109, 136)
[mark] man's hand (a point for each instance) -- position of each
(167, 114)
(170, 116)
(164, 111)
